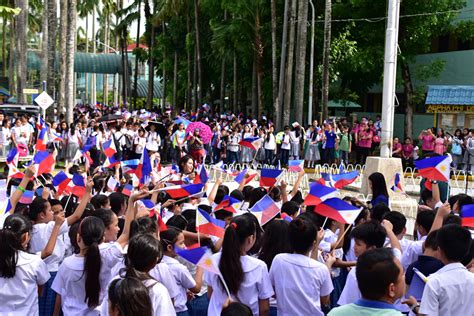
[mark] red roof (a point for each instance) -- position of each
(131, 47)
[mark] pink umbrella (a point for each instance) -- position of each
(204, 131)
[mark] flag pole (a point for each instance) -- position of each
(341, 237)
(324, 222)
(225, 285)
(67, 202)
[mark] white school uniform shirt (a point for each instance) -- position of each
(19, 295)
(183, 279)
(70, 281)
(285, 143)
(162, 273)
(255, 286)
(449, 292)
(351, 292)
(159, 297)
(412, 252)
(299, 282)
(270, 144)
(40, 237)
(350, 255)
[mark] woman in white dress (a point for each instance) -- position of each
(247, 153)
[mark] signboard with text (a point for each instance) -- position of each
(449, 108)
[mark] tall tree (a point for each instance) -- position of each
(326, 57)
(21, 24)
(289, 65)
(301, 59)
(281, 82)
(63, 22)
(198, 51)
(70, 49)
(52, 10)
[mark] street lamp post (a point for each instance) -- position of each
(311, 67)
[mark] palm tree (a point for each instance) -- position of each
(21, 23)
(289, 65)
(301, 59)
(52, 39)
(274, 54)
(326, 57)
(63, 8)
(198, 52)
(70, 48)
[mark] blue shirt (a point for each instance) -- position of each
(365, 307)
(379, 199)
(330, 139)
(425, 264)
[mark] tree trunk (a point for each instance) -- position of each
(62, 65)
(135, 81)
(86, 80)
(408, 91)
(164, 69)
(301, 59)
(44, 43)
(116, 46)
(70, 48)
(105, 97)
(11, 58)
(21, 49)
(289, 66)
(235, 101)
(259, 66)
(175, 80)
(189, 84)
(4, 46)
(254, 88)
(195, 81)
(123, 42)
(274, 55)
(198, 51)
(52, 39)
(151, 45)
(94, 51)
(222, 87)
(278, 105)
(326, 58)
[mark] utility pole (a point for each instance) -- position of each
(389, 78)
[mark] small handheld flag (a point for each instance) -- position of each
(201, 256)
(434, 168)
(340, 180)
(229, 204)
(269, 177)
(201, 175)
(467, 215)
(241, 176)
(181, 191)
(417, 285)
(319, 193)
(109, 147)
(61, 181)
(130, 166)
(112, 184)
(43, 162)
(265, 210)
(397, 185)
(295, 165)
(251, 142)
(144, 168)
(338, 210)
(206, 224)
(12, 157)
(127, 190)
(42, 140)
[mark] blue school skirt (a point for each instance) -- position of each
(198, 305)
(47, 299)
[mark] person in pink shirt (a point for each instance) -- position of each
(407, 153)
(365, 143)
(396, 148)
(440, 142)
(428, 139)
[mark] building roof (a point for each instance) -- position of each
(132, 46)
(450, 95)
(142, 88)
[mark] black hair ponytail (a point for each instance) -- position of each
(10, 243)
(130, 297)
(230, 266)
(144, 251)
(92, 231)
(169, 237)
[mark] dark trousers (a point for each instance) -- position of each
(285, 156)
(269, 155)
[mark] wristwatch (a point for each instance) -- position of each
(414, 306)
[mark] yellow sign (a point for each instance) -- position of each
(30, 91)
(450, 109)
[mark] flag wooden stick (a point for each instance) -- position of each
(324, 222)
(67, 202)
(341, 237)
(225, 285)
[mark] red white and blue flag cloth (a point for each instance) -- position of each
(295, 165)
(42, 140)
(435, 168)
(206, 224)
(397, 185)
(12, 157)
(130, 166)
(113, 184)
(181, 191)
(220, 167)
(56, 137)
(77, 186)
(338, 181)
(242, 175)
(127, 190)
(338, 210)
(43, 162)
(229, 204)
(61, 181)
(201, 175)
(270, 177)
(144, 169)
(467, 215)
(318, 193)
(201, 256)
(265, 210)
(109, 147)
(251, 142)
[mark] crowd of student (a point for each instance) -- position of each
(330, 142)
(104, 253)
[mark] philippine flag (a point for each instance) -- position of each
(265, 210)
(130, 166)
(206, 224)
(434, 168)
(77, 185)
(27, 197)
(127, 189)
(14, 173)
(144, 168)
(109, 148)
(286, 217)
(295, 165)
(112, 184)
(181, 191)
(417, 285)
(220, 167)
(338, 210)
(201, 257)
(61, 181)
(251, 142)
(12, 157)
(56, 138)
(43, 162)
(42, 140)
(318, 193)
(340, 180)
(243, 175)
(229, 204)
(201, 175)
(467, 215)
(269, 177)
(397, 185)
